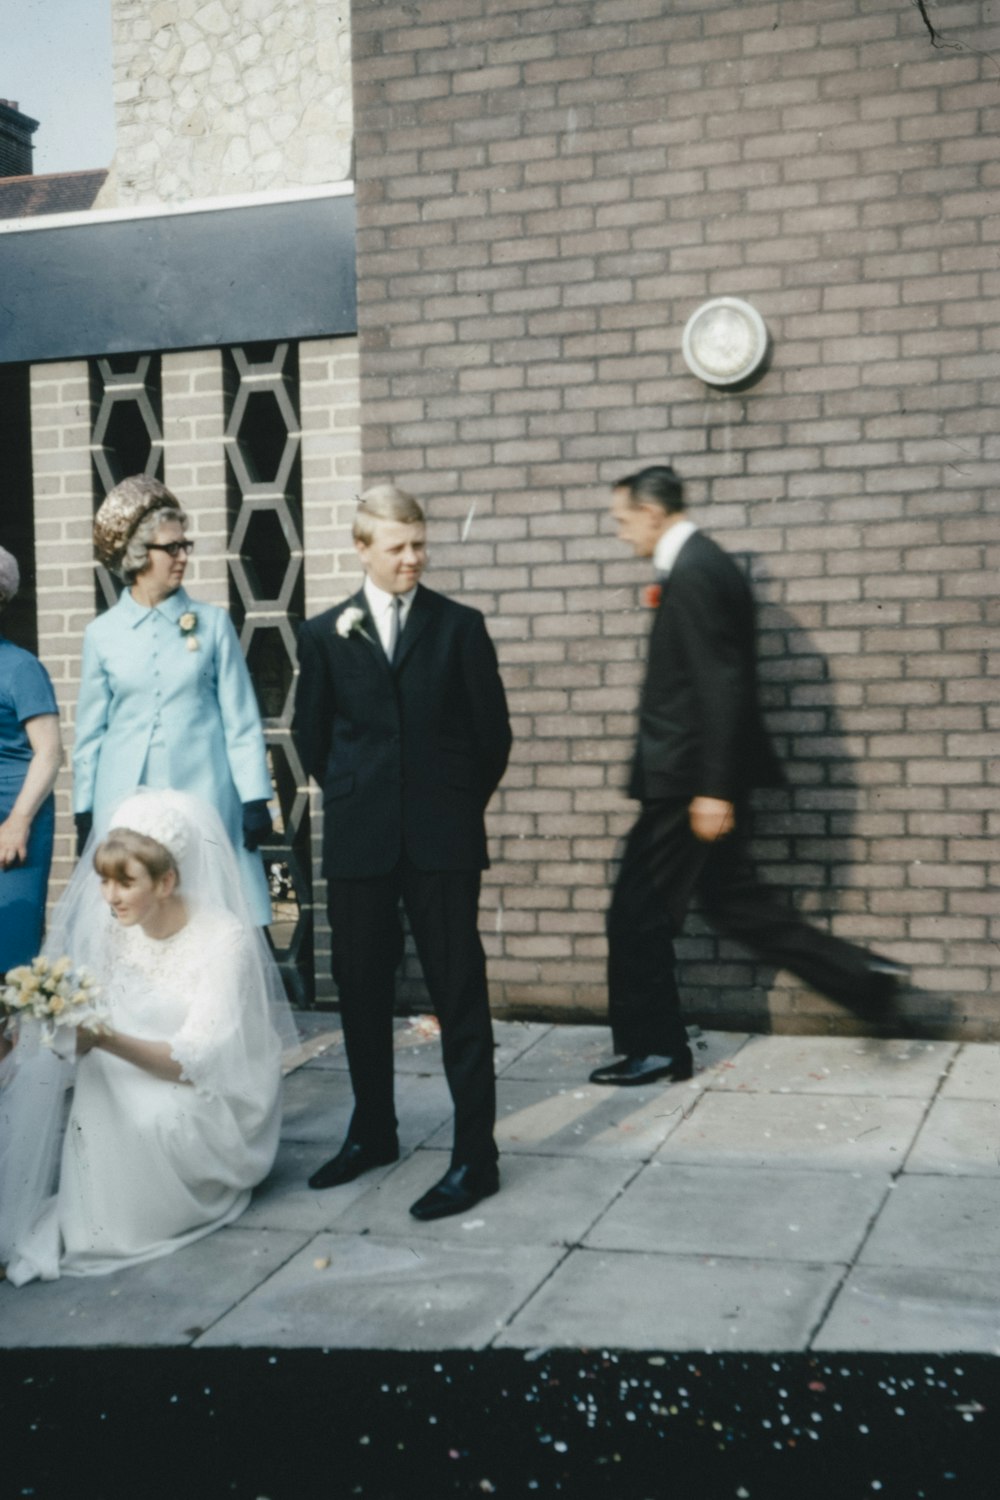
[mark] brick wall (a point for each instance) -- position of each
(546, 192)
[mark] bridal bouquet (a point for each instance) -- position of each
(53, 994)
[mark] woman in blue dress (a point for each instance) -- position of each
(30, 757)
(165, 696)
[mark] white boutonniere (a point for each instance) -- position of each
(351, 622)
(188, 623)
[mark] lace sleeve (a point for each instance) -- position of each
(211, 1024)
(226, 1046)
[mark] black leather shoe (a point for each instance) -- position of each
(350, 1161)
(631, 1071)
(460, 1189)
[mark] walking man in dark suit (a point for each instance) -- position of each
(401, 718)
(701, 747)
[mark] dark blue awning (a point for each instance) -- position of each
(178, 280)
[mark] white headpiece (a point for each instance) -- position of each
(158, 816)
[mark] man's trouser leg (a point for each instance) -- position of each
(443, 908)
(366, 947)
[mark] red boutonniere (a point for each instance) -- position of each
(651, 595)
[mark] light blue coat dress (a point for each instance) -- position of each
(154, 712)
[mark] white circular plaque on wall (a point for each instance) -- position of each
(725, 341)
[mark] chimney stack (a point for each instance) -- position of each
(16, 148)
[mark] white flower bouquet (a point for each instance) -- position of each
(52, 993)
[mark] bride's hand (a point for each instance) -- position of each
(85, 1040)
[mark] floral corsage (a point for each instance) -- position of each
(52, 994)
(350, 621)
(188, 623)
(651, 595)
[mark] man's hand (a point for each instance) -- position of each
(711, 819)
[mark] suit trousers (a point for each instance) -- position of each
(662, 868)
(367, 944)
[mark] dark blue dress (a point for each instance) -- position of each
(25, 692)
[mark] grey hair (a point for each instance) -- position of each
(136, 554)
(384, 502)
(10, 577)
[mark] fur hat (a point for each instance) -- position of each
(121, 511)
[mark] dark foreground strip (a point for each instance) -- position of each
(263, 1424)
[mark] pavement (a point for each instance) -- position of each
(798, 1194)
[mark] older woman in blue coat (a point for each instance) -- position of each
(165, 696)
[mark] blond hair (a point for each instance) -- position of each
(384, 502)
(122, 844)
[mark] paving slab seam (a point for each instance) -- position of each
(894, 1176)
(234, 1230)
(516, 1312)
(532, 1045)
(835, 1292)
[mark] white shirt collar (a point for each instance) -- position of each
(380, 602)
(670, 544)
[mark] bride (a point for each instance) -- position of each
(177, 1099)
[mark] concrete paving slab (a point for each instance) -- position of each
(570, 1053)
(163, 1302)
(598, 1122)
(319, 1104)
(879, 1309)
(313, 1023)
(602, 1299)
(959, 1135)
(543, 1200)
(938, 1221)
(768, 1130)
(417, 1044)
(770, 1215)
(286, 1201)
(362, 1292)
(836, 1065)
(975, 1073)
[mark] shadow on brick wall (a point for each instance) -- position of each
(807, 846)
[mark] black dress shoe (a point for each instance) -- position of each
(460, 1189)
(631, 1071)
(350, 1161)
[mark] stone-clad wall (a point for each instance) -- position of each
(229, 96)
(547, 189)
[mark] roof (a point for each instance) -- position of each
(54, 193)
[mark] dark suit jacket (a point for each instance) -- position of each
(407, 756)
(700, 730)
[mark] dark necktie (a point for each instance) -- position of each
(394, 613)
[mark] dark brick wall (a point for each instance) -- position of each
(546, 192)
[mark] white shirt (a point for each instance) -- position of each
(380, 604)
(670, 544)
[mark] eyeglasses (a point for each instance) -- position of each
(174, 548)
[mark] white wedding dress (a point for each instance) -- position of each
(149, 1165)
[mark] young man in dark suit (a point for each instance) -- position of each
(701, 748)
(401, 718)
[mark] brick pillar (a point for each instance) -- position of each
(194, 420)
(331, 480)
(61, 422)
